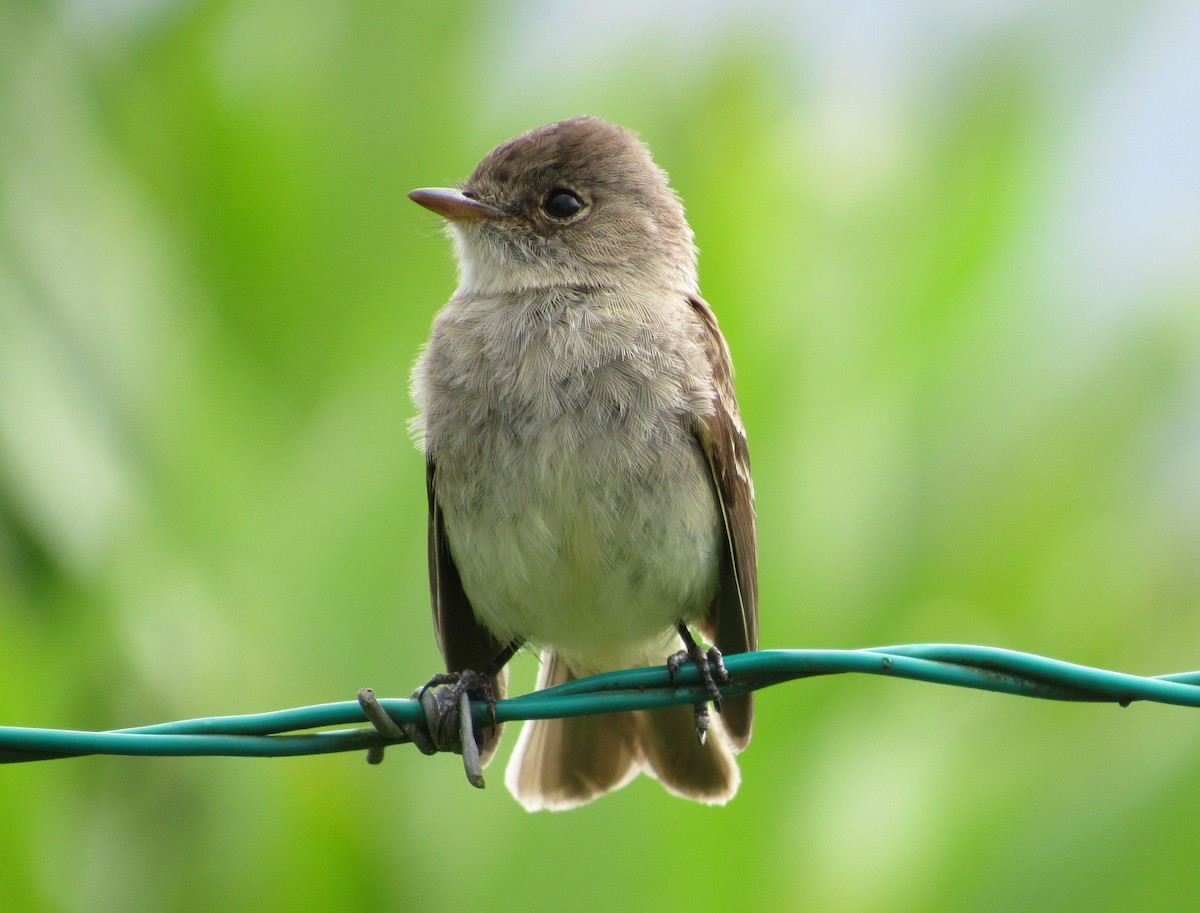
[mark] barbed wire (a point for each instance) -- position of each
(286, 733)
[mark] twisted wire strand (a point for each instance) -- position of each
(284, 733)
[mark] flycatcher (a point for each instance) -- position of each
(589, 483)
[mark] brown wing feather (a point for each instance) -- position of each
(732, 620)
(464, 642)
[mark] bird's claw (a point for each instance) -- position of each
(711, 666)
(471, 684)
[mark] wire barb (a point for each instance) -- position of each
(378, 718)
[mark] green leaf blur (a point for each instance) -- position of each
(955, 254)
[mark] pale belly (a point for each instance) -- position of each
(595, 552)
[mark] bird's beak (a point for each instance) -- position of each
(454, 204)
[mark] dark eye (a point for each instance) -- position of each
(562, 204)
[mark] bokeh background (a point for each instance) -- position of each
(956, 251)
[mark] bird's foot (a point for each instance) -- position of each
(451, 688)
(711, 666)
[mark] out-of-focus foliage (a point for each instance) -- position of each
(956, 250)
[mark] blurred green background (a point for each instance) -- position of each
(956, 251)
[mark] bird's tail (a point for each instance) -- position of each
(562, 763)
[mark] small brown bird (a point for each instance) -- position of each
(589, 483)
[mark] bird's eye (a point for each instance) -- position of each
(562, 204)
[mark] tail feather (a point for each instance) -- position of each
(563, 763)
(674, 756)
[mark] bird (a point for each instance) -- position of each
(587, 471)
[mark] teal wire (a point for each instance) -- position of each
(278, 733)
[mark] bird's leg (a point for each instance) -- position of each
(711, 666)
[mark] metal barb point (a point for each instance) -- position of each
(470, 748)
(378, 718)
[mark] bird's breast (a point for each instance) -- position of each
(578, 507)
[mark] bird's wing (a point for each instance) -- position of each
(732, 620)
(465, 643)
